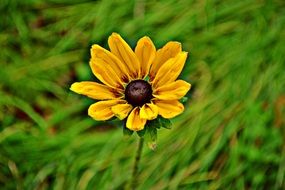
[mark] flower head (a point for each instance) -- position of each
(137, 85)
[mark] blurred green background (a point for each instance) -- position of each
(231, 136)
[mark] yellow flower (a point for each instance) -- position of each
(137, 85)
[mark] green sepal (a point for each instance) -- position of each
(126, 131)
(154, 123)
(147, 78)
(183, 99)
(165, 123)
(151, 137)
(141, 133)
(115, 119)
(150, 130)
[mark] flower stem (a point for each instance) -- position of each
(136, 164)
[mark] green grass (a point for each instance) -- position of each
(231, 135)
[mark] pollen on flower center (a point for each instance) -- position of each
(138, 92)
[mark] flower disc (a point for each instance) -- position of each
(138, 92)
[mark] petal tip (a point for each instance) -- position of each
(115, 35)
(145, 38)
(175, 45)
(184, 53)
(95, 46)
(73, 87)
(189, 86)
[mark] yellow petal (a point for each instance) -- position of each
(134, 122)
(94, 90)
(102, 110)
(172, 91)
(121, 111)
(170, 50)
(169, 108)
(107, 58)
(145, 51)
(170, 70)
(123, 51)
(149, 111)
(105, 73)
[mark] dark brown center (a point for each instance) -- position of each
(138, 92)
